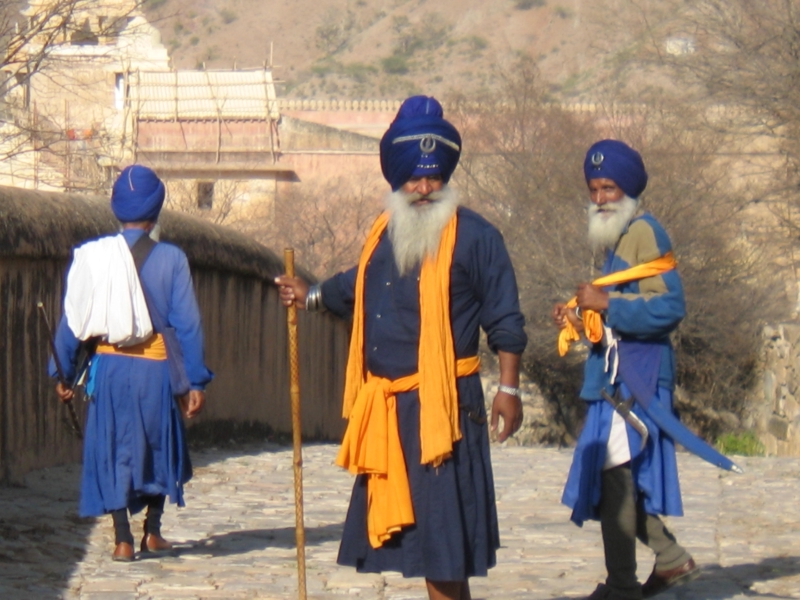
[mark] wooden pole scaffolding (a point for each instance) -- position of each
(294, 390)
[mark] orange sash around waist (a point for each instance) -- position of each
(152, 349)
(371, 446)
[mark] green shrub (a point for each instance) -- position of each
(359, 72)
(563, 12)
(228, 16)
(395, 64)
(743, 444)
(476, 43)
(529, 4)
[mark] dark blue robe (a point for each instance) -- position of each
(456, 533)
(135, 441)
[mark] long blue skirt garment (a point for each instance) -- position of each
(654, 469)
(135, 438)
(456, 533)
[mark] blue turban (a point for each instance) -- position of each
(612, 159)
(419, 143)
(138, 195)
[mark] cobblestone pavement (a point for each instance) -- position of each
(236, 536)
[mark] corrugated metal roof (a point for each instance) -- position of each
(169, 95)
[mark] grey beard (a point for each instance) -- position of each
(605, 228)
(415, 231)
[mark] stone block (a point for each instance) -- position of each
(791, 333)
(790, 407)
(769, 387)
(770, 444)
(780, 373)
(779, 427)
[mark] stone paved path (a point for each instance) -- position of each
(236, 538)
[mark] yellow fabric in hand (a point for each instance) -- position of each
(592, 320)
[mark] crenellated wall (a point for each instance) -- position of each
(245, 328)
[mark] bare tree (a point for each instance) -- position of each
(523, 165)
(38, 86)
(737, 61)
(222, 202)
(326, 224)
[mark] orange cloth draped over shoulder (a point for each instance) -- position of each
(592, 321)
(371, 443)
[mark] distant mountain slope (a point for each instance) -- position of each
(386, 48)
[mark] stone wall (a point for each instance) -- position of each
(245, 327)
(775, 403)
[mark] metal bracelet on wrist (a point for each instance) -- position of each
(578, 313)
(514, 391)
(314, 299)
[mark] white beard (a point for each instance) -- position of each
(607, 223)
(415, 231)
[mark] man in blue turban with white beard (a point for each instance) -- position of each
(624, 472)
(431, 275)
(127, 294)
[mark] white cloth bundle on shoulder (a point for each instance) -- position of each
(104, 295)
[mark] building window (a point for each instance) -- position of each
(205, 194)
(84, 36)
(120, 91)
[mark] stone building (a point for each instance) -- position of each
(104, 96)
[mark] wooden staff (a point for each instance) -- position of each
(294, 390)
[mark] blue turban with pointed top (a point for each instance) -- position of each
(138, 195)
(615, 160)
(419, 143)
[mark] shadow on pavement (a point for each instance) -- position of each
(249, 540)
(721, 583)
(42, 538)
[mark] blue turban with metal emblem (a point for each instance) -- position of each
(138, 195)
(419, 143)
(615, 160)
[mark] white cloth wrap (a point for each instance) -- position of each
(104, 296)
(618, 450)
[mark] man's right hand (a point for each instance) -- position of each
(292, 290)
(192, 403)
(64, 393)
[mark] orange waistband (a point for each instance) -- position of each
(152, 349)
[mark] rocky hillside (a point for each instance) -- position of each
(389, 48)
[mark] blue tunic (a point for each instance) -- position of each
(647, 310)
(135, 442)
(456, 533)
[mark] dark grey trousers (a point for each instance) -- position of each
(623, 520)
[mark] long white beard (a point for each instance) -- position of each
(415, 231)
(607, 223)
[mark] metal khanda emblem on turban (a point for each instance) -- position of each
(427, 141)
(427, 144)
(597, 159)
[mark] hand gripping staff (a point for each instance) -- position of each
(294, 390)
(73, 416)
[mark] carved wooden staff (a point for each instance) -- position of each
(294, 390)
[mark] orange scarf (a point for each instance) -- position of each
(371, 443)
(592, 321)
